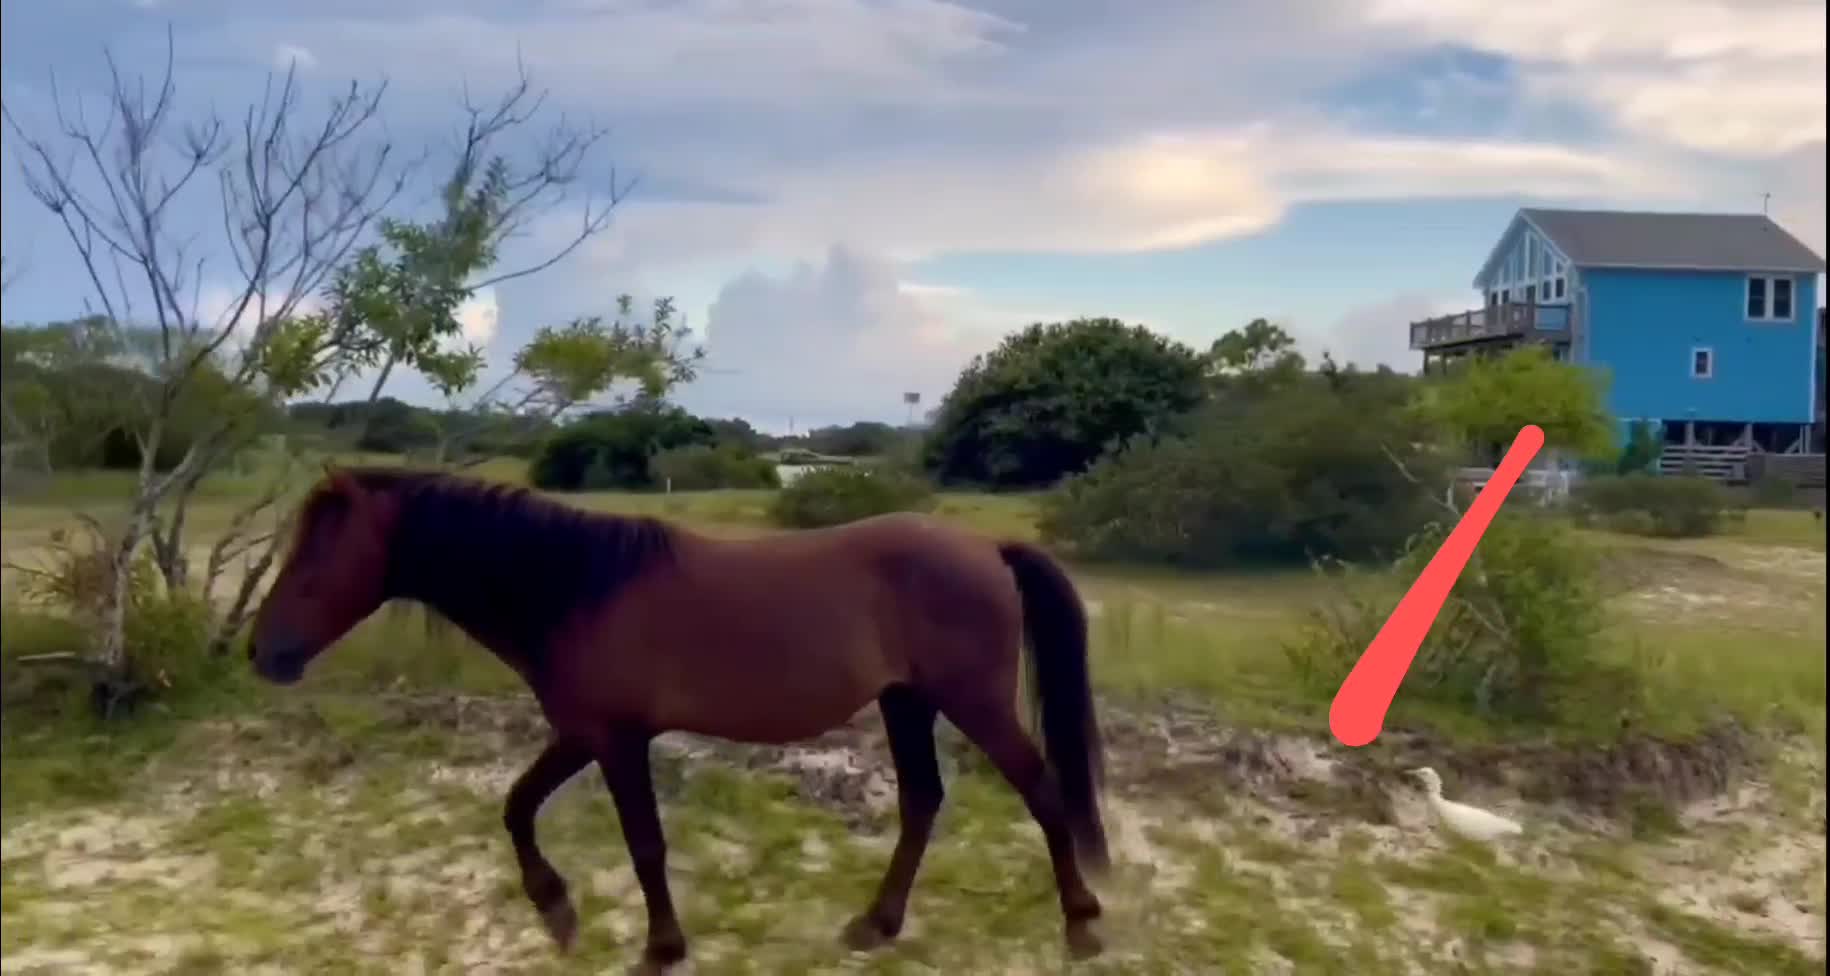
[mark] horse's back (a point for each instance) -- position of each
(913, 552)
(829, 617)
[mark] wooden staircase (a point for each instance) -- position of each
(1726, 463)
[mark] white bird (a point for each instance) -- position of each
(1470, 822)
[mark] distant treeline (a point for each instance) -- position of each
(391, 426)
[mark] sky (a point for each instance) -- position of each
(851, 198)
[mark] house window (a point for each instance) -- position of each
(1559, 286)
(1531, 294)
(1782, 299)
(1769, 298)
(1702, 362)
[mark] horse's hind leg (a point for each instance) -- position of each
(991, 723)
(631, 781)
(908, 718)
(545, 888)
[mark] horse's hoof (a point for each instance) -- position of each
(561, 921)
(1083, 942)
(863, 934)
(656, 965)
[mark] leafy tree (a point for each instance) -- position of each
(568, 366)
(865, 438)
(1249, 362)
(1482, 405)
(1051, 399)
(1641, 451)
(1260, 347)
(738, 433)
(614, 449)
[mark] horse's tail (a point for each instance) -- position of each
(1061, 692)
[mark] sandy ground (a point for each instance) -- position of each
(327, 870)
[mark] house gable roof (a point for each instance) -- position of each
(1673, 241)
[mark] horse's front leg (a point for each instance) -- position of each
(624, 760)
(545, 888)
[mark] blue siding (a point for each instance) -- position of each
(1642, 326)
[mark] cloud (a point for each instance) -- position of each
(813, 51)
(220, 306)
(286, 56)
(829, 342)
(1154, 192)
(1374, 334)
(919, 127)
(1797, 182)
(478, 318)
(1736, 78)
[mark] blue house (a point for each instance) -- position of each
(1706, 325)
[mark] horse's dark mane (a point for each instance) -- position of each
(504, 561)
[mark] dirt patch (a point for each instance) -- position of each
(1633, 568)
(1181, 751)
(1724, 584)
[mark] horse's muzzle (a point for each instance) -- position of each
(282, 666)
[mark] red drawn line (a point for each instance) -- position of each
(1358, 712)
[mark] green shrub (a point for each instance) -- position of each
(166, 633)
(703, 467)
(1771, 492)
(1642, 450)
(611, 451)
(1669, 506)
(1275, 477)
(1520, 637)
(839, 494)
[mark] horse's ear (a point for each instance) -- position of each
(341, 481)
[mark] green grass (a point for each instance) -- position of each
(1215, 637)
(1786, 527)
(281, 851)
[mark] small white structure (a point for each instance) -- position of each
(1470, 822)
(789, 473)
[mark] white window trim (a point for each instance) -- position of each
(1748, 292)
(1707, 374)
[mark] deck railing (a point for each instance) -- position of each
(1545, 485)
(1492, 322)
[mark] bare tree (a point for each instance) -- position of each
(294, 198)
(300, 208)
(9, 274)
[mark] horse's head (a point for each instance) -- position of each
(333, 578)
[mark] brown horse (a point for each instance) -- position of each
(626, 628)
